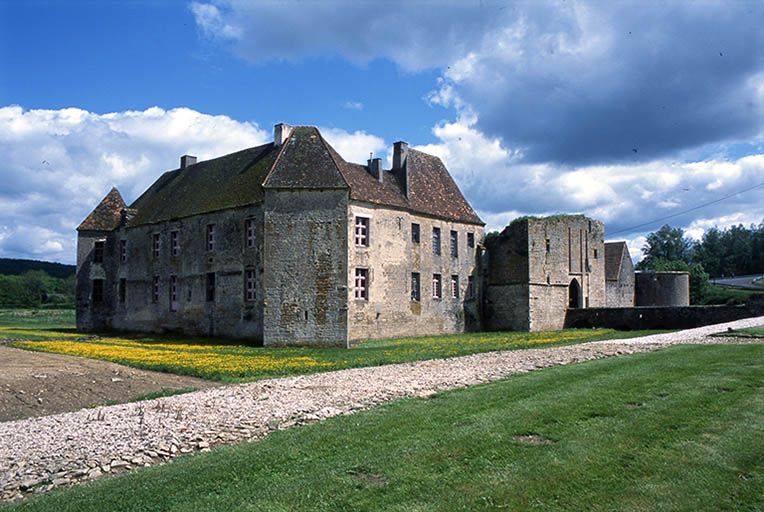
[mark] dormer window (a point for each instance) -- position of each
(361, 231)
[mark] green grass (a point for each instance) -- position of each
(38, 318)
(751, 332)
(727, 295)
(232, 361)
(679, 429)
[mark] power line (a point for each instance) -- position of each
(687, 211)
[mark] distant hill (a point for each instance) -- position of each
(14, 267)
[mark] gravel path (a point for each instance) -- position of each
(41, 453)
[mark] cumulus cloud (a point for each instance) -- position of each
(582, 82)
(58, 164)
(502, 186)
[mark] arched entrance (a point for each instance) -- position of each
(574, 295)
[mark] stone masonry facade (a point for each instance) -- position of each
(288, 244)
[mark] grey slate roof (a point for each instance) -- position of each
(305, 160)
(614, 252)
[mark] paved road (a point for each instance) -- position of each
(745, 282)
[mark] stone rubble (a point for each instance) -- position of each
(38, 454)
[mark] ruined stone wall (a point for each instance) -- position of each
(92, 316)
(306, 288)
(391, 257)
(531, 266)
(620, 293)
(228, 315)
(576, 250)
(505, 299)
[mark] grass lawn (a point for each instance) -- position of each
(678, 429)
(728, 295)
(37, 318)
(751, 332)
(231, 361)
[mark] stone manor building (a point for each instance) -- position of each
(286, 243)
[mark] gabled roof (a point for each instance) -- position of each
(614, 253)
(107, 215)
(304, 161)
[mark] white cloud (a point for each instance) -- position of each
(501, 186)
(58, 164)
(353, 105)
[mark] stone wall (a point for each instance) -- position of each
(662, 289)
(530, 268)
(685, 317)
(390, 259)
(228, 314)
(306, 287)
(93, 316)
(620, 293)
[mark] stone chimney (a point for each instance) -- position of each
(375, 168)
(187, 160)
(400, 155)
(281, 133)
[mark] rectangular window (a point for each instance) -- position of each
(415, 233)
(122, 290)
(97, 291)
(249, 230)
(249, 285)
(416, 287)
(362, 283)
(210, 287)
(548, 245)
(98, 251)
(470, 287)
(155, 290)
(123, 251)
(173, 293)
(454, 287)
(454, 244)
(361, 231)
(437, 287)
(210, 237)
(595, 254)
(155, 245)
(436, 241)
(174, 243)
(471, 240)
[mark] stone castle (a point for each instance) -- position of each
(289, 244)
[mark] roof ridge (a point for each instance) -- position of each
(330, 149)
(282, 149)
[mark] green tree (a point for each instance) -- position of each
(667, 244)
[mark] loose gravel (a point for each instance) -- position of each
(39, 454)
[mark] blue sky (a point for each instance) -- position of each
(625, 111)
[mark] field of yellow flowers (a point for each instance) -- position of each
(231, 361)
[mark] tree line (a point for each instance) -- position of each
(734, 251)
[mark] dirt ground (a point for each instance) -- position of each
(40, 384)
